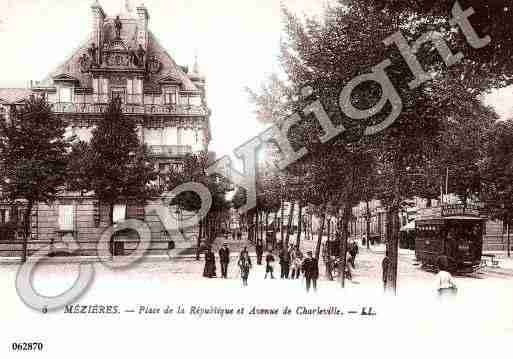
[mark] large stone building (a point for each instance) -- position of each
(121, 59)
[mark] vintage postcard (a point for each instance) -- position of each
(243, 178)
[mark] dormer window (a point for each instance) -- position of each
(170, 96)
(65, 94)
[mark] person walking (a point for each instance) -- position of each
(384, 268)
(297, 262)
(446, 286)
(259, 252)
(245, 266)
(224, 259)
(269, 259)
(353, 250)
(209, 271)
(349, 264)
(284, 263)
(311, 271)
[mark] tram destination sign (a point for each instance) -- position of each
(460, 210)
(451, 210)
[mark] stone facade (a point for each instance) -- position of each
(121, 59)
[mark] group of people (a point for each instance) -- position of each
(292, 263)
(291, 260)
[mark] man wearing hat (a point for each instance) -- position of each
(311, 271)
(224, 259)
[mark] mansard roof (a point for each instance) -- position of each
(71, 66)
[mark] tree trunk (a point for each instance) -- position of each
(257, 228)
(343, 243)
(368, 225)
(251, 226)
(305, 226)
(263, 219)
(299, 225)
(266, 229)
(392, 248)
(509, 239)
(311, 226)
(198, 240)
(26, 231)
(281, 220)
(289, 226)
(321, 232)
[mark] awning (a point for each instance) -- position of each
(468, 218)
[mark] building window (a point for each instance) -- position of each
(21, 216)
(134, 94)
(65, 94)
(4, 216)
(184, 99)
(118, 94)
(170, 97)
(66, 218)
(119, 213)
(195, 101)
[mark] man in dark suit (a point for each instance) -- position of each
(311, 271)
(224, 259)
(285, 263)
(259, 252)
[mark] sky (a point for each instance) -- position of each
(237, 42)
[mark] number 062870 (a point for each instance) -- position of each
(27, 347)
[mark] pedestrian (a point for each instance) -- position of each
(384, 267)
(210, 264)
(284, 263)
(224, 259)
(446, 286)
(259, 252)
(269, 259)
(353, 250)
(297, 262)
(349, 263)
(311, 271)
(239, 235)
(245, 266)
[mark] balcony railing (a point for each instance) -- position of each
(170, 151)
(98, 108)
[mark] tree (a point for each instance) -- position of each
(193, 169)
(498, 175)
(326, 54)
(120, 169)
(33, 156)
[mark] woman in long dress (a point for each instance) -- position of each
(245, 266)
(210, 264)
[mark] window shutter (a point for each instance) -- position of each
(119, 214)
(66, 218)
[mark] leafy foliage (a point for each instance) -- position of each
(115, 165)
(33, 151)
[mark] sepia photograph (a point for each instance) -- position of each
(243, 178)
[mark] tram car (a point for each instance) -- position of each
(452, 234)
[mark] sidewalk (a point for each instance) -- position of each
(184, 251)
